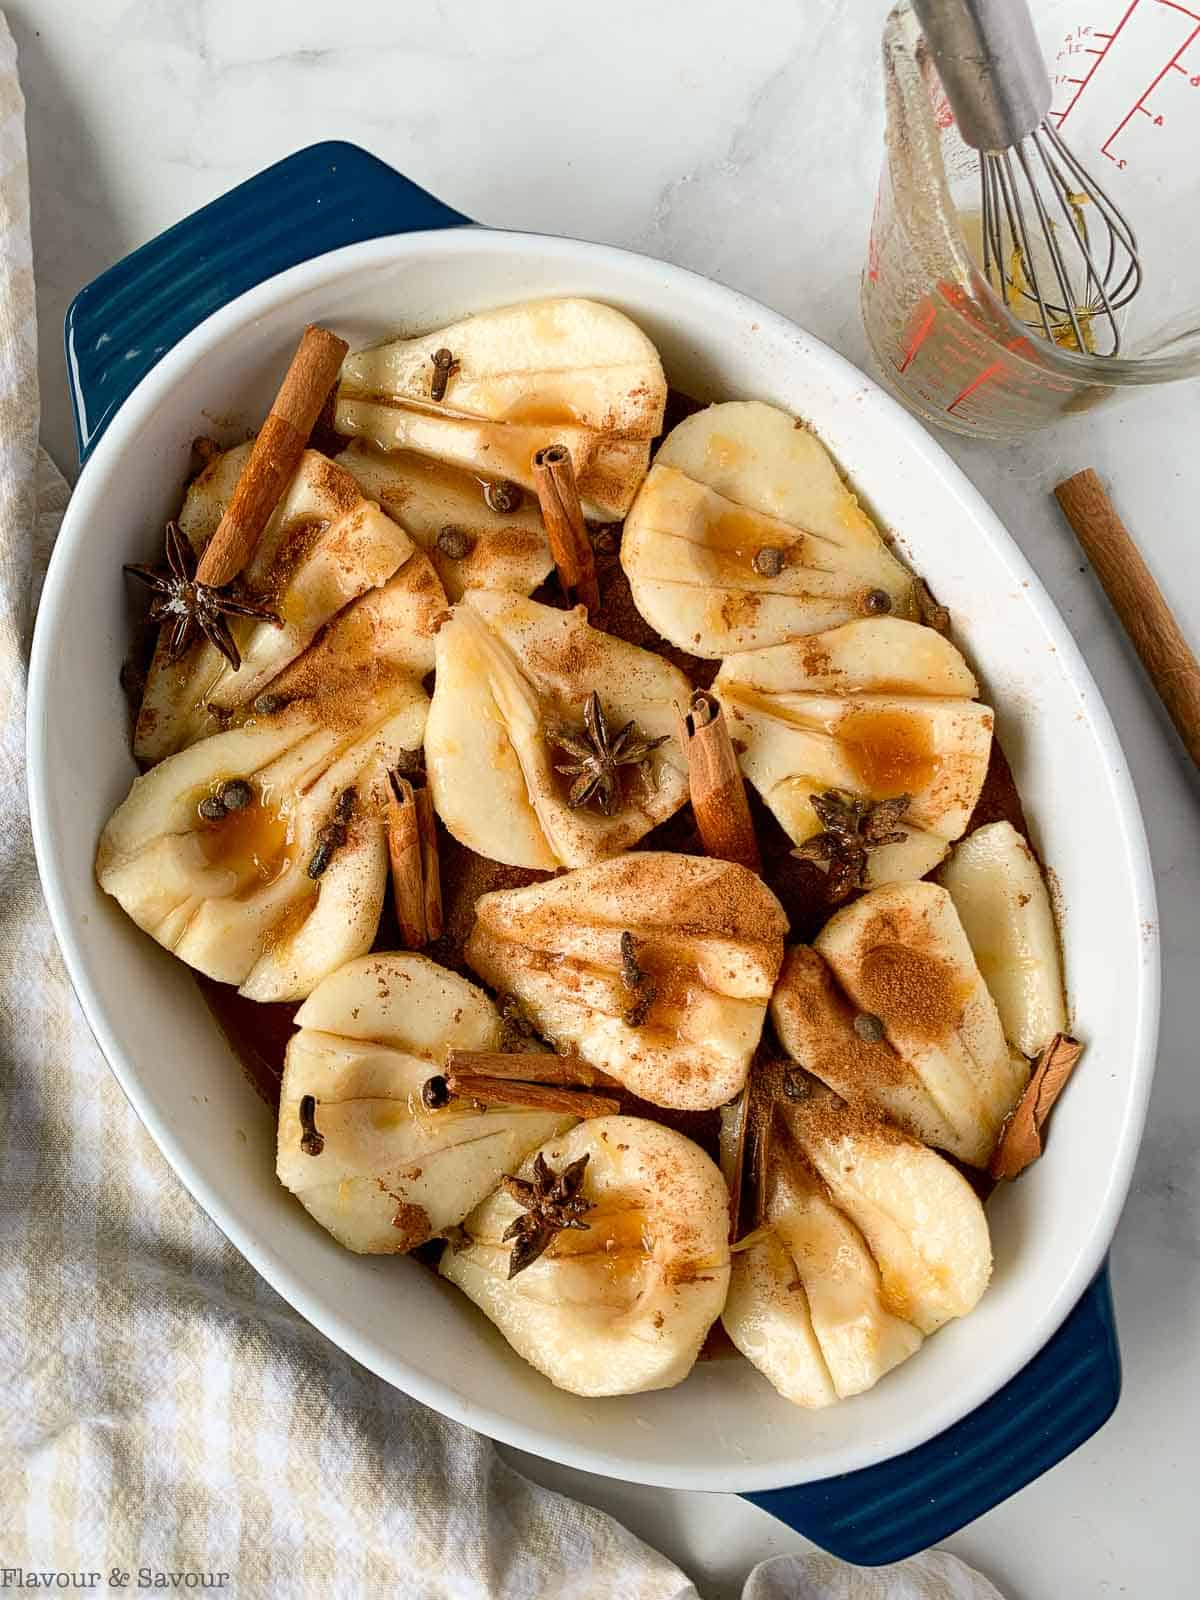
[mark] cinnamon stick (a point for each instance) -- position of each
(533, 1066)
(1137, 600)
(538, 1096)
(275, 455)
(431, 872)
(412, 851)
(1021, 1141)
(718, 789)
(558, 496)
(735, 1130)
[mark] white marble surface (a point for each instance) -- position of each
(743, 142)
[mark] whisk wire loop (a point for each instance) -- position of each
(1120, 232)
(1056, 248)
(1035, 202)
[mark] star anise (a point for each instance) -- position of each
(188, 607)
(552, 1202)
(599, 756)
(852, 828)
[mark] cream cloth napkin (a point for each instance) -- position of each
(160, 1406)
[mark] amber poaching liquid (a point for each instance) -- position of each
(954, 361)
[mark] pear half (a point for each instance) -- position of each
(234, 897)
(707, 937)
(921, 1219)
(510, 671)
(729, 484)
(390, 1173)
(942, 1066)
(324, 546)
(814, 1022)
(559, 371)
(806, 1304)
(862, 1243)
(622, 1304)
(877, 708)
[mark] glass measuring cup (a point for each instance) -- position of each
(1126, 79)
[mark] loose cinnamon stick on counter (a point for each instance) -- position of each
(412, 850)
(558, 496)
(1137, 600)
(275, 455)
(718, 789)
(532, 1066)
(1021, 1141)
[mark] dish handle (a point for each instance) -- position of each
(890, 1511)
(321, 198)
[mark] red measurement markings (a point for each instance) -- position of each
(1110, 38)
(917, 337)
(997, 367)
(1140, 103)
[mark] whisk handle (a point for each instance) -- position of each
(991, 67)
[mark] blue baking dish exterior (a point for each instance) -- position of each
(335, 194)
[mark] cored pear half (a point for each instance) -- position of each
(889, 1008)
(744, 535)
(657, 968)
(276, 889)
(565, 371)
(511, 674)
(857, 1241)
(874, 709)
(621, 1304)
(388, 1172)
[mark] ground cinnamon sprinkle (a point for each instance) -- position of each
(916, 993)
(808, 992)
(816, 661)
(296, 544)
(856, 1065)
(576, 657)
(337, 692)
(333, 483)
(515, 542)
(411, 1223)
(825, 1115)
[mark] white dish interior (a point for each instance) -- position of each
(725, 1428)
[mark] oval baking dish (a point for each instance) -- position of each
(725, 1428)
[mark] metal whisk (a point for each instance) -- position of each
(1055, 247)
